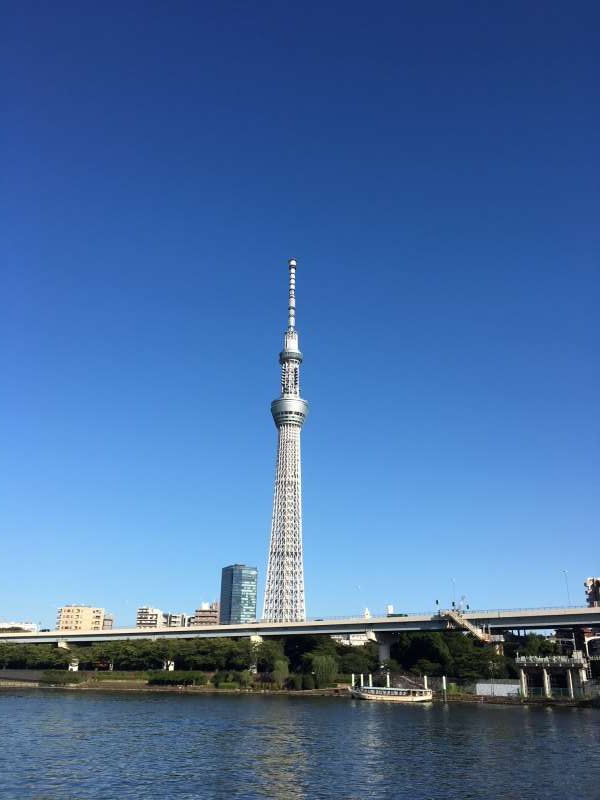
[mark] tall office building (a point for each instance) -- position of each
(284, 593)
(238, 594)
(80, 618)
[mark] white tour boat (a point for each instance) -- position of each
(391, 694)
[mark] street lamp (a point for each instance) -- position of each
(453, 592)
(566, 574)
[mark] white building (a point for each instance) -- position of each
(503, 687)
(351, 639)
(29, 627)
(148, 617)
(176, 620)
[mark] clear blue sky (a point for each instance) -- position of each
(435, 169)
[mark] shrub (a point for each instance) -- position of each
(220, 677)
(294, 681)
(246, 679)
(325, 668)
(106, 675)
(60, 677)
(344, 678)
(308, 682)
(280, 672)
(177, 679)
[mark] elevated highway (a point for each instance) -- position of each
(494, 621)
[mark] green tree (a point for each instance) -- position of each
(240, 655)
(267, 653)
(308, 682)
(280, 672)
(426, 648)
(246, 679)
(354, 659)
(295, 680)
(296, 648)
(325, 669)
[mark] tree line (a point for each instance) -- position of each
(295, 661)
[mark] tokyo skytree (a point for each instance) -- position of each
(284, 593)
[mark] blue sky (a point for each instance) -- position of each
(434, 168)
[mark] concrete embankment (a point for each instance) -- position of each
(141, 686)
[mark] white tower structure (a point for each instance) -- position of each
(284, 593)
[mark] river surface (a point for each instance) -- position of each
(109, 746)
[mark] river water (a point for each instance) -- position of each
(80, 745)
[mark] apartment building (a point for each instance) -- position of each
(80, 618)
(148, 617)
(176, 620)
(205, 614)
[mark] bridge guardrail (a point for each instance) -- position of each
(469, 614)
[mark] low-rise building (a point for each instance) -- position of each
(80, 618)
(351, 639)
(29, 627)
(592, 591)
(503, 687)
(176, 620)
(148, 617)
(205, 614)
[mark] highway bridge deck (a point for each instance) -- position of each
(496, 621)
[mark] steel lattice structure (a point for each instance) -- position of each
(284, 593)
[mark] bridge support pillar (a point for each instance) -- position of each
(384, 643)
(570, 684)
(384, 652)
(523, 682)
(546, 682)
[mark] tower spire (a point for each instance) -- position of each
(292, 295)
(284, 593)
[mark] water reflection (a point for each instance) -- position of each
(76, 746)
(282, 759)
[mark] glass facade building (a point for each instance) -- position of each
(238, 594)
